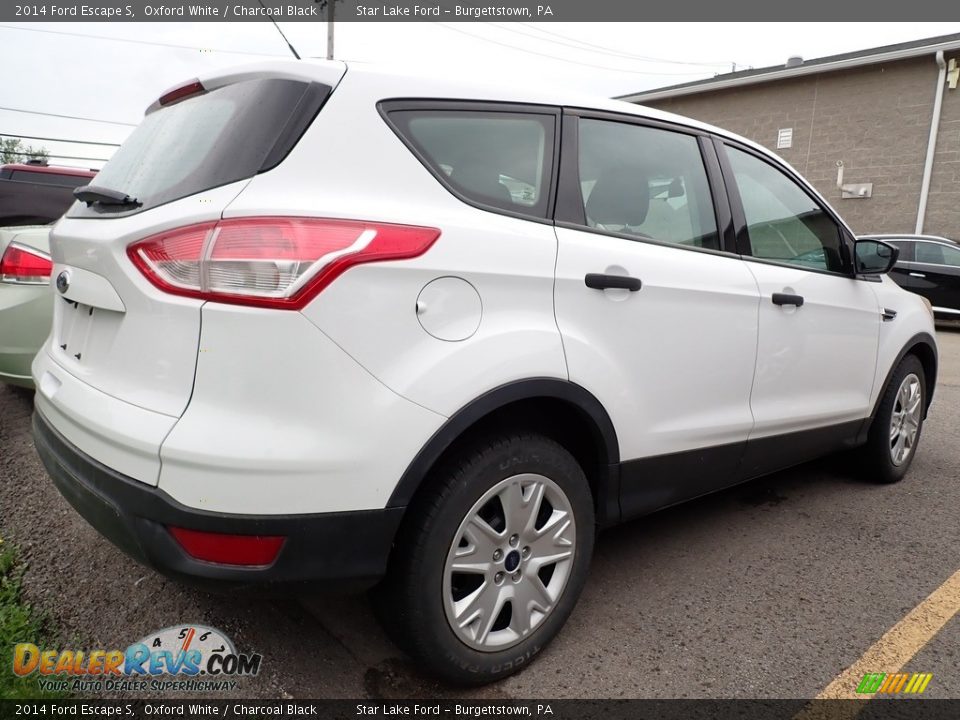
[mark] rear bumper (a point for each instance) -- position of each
(343, 549)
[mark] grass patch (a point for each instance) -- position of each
(19, 622)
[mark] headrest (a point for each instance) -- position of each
(621, 196)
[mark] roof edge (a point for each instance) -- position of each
(783, 72)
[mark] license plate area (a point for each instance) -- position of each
(83, 332)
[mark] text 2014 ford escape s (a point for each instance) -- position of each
(319, 324)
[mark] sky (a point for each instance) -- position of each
(111, 72)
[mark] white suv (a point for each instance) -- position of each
(320, 324)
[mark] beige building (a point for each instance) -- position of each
(889, 115)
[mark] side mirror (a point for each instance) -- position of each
(873, 257)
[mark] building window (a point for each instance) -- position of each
(784, 138)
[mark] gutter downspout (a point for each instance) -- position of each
(931, 144)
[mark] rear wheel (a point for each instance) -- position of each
(896, 428)
(489, 566)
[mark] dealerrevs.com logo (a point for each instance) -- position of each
(190, 658)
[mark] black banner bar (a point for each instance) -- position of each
(473, 11)
(544, 709)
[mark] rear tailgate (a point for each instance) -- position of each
(112, 329)
(115, 332)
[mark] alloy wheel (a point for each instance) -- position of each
(905, 419)
(509, 562)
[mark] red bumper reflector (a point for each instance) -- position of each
(228, 549)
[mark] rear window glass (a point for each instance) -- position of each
(41, 178)
(502, 160)
(228, 134)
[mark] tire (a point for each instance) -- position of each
(422, 595)
(890, 450)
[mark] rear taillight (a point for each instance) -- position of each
(277, 262)
(228, 549)
(22, 265)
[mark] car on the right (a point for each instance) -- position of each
(928, 265)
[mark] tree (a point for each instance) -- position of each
(12, 150)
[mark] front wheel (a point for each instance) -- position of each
(490, 564)
(896, 428)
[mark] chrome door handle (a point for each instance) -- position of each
(920, 275)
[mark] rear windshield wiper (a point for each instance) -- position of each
(91, 194)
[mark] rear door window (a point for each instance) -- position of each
(906, 249)
(228, 134)
(647, 183)
(499, 160)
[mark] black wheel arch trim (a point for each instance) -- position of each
(546, 388)
(924, 339)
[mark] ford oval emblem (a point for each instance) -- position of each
(63, 281)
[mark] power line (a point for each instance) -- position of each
(136, 42)
(562, 59)
(64, 157)
(639, 57)
(46, 139)
(67, 117)
(601, 50)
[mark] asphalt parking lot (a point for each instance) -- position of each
(767, 590)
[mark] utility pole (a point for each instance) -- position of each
(330, 5)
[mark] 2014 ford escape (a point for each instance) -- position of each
(319, 323)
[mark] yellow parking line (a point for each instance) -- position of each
(890, 653)
(901, 642)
